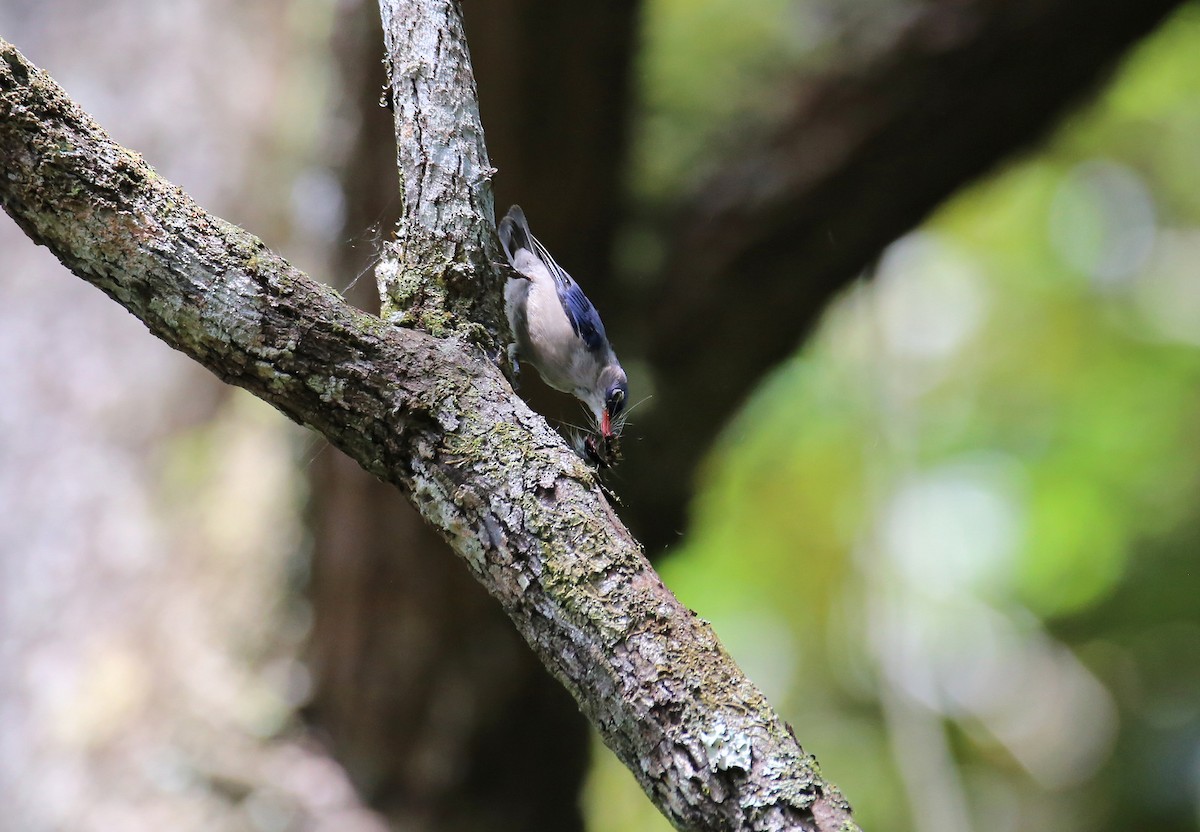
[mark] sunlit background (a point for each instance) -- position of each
(955, 538)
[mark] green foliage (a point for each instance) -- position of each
(955, 539)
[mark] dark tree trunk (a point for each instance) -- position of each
(442, 715)
(555, 94)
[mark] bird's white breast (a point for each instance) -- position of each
(552, 342)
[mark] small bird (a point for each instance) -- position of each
(558, 330)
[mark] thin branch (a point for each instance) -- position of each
(438, 274)
(437, 419)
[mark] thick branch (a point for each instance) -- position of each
(437, 419)
(862, 158)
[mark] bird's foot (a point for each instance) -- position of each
(516, 366)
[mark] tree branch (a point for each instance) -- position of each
(437, 419)
(437, 275)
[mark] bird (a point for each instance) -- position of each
(558, 330)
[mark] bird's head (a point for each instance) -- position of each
(616, 395)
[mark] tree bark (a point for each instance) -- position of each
(439, 275)
(435, 417)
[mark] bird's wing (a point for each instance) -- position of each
(585, 320)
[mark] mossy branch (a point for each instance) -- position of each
(435, 417)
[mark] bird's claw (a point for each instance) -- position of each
(515, 364)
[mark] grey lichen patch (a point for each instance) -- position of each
(430, 286)
(447, 414)
(284, 351)
(569, 582)
(648, 649)
(727, 747)
(277, 382)
(329, 389)
(507, 444)
(413, 291)
(437, 506)
(482, 337)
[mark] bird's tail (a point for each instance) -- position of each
(514, 233)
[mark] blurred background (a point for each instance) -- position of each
(909, 296)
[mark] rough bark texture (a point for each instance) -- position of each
(438, 277)
(435, 417)
(862, 158)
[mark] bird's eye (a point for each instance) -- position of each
(615, 401)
